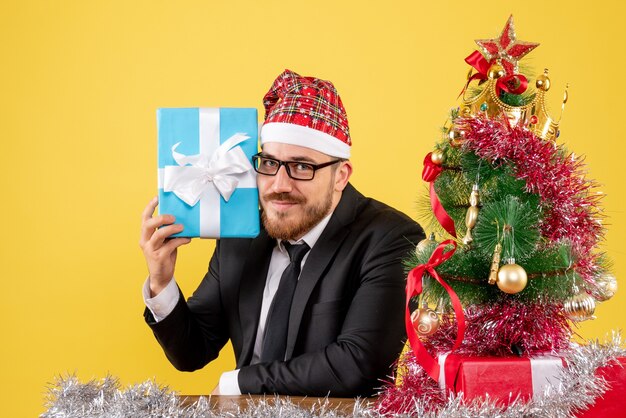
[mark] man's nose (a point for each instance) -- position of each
(282, 181)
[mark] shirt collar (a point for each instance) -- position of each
(311, 237)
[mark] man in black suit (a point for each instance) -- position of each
(338, 327)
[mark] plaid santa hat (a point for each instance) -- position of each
(308, 112)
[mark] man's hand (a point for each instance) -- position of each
(158, 249)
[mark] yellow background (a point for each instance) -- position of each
(80, 83)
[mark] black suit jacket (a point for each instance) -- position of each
(346, 324)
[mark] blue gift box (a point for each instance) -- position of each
(206, 179)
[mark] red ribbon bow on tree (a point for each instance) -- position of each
(430, 173)
(512, 83)
(414, 288)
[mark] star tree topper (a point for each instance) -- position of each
(506, 49)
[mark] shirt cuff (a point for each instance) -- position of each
(229, 385)
(162, 304)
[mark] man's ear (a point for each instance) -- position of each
(342, 175)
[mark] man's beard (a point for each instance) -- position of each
(281, 228)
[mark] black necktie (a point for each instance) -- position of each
(275, 340)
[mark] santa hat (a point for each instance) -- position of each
(308, 112)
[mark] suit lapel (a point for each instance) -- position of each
(254, 275)
(319, 258)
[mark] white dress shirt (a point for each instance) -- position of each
(163, 304)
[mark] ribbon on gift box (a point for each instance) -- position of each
(503, 378)
(218, 170)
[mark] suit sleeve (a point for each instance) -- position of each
(370, 339)
(193, 334)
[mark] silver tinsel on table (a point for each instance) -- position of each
(68, 398)
(578, 389)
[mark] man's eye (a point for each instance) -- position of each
(270, 163)
(303, 167)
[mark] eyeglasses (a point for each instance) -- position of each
(296, 170)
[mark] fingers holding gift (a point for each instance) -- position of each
(149, 209)
(148, 223)
(160, 254)
(151, 226)
(163, 253)
(164, 232)
(172, 244)
(158, 221)
(158, 246)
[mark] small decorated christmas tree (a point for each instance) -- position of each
(513, 258)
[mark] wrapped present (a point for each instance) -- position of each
(206, 178)
(613, 402)
(503, 379)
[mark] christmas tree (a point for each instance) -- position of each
(513, 260)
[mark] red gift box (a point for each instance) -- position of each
(613, 402)
(503, 379)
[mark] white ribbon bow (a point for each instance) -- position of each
(188, 182)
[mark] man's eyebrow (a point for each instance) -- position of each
(304, 159)
(298, 158)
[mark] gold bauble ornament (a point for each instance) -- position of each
(425, 321)
(456, 137)
(543, 81)
(512, 278)
(606, 287)
(436, 157)
(425, 244)
(496, 71)
(580, 307)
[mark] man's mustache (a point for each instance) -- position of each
(284, 197)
